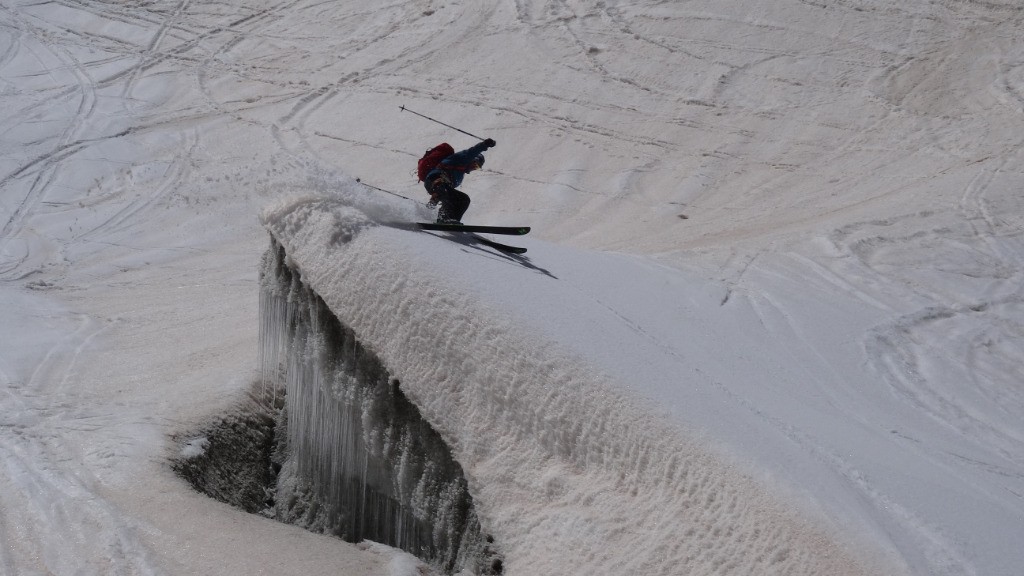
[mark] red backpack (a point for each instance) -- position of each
(432, 158)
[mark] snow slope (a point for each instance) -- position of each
(838, 314)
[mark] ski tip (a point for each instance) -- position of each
(517, 250)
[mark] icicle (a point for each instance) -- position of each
(374, 469)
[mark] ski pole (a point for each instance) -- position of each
(404, 109)
(387, 191)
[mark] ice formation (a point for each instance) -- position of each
(357, 459)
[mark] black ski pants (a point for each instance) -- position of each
(454, 203)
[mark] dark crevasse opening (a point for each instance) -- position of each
(353, 455)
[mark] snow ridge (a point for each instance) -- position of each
(570, 475)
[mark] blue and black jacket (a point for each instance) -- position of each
(457, 165)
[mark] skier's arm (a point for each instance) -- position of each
(463, 159)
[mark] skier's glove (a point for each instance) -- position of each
(490, 143)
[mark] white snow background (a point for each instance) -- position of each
(771, 313)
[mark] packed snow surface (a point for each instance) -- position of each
(773, 290)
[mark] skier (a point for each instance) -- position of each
(443, 178)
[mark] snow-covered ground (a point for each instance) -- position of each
(783, 237)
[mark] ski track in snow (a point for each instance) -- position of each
(849, 172)
(56, 512)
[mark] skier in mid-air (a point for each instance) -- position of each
(446, 175)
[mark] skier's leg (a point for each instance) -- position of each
(453, 202)
(440, 189)
(455, 206)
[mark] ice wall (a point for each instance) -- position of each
(357, 459)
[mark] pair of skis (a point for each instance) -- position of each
(473, 231)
